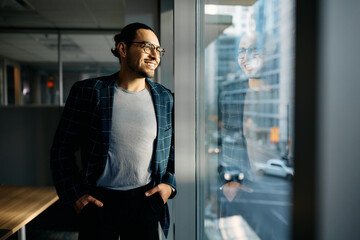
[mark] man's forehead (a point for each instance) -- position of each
(247, 41)
(146, 35)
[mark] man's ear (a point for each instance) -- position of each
(122, 49)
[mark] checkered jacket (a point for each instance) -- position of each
(85, 124)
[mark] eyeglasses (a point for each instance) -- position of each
(250, 52)
(149, 48)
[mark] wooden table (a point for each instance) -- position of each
(21, 204)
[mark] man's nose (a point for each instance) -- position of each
(154, 53)
(244, 58)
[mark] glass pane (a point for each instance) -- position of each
(86, 56)
(31, 68)
(245, 120)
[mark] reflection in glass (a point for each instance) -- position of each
(247, 88)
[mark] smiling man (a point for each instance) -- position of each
(123, 126)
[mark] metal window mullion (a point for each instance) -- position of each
(201, 165)
(185, 114)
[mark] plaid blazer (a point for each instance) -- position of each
(86, 123)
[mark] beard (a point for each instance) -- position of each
(138, 71)
(146, 74)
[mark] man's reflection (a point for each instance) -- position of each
(234, 166)
(249, 57)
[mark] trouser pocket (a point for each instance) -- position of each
(156, 203)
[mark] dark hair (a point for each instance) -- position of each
(127, 35)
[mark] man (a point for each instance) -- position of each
(123, 126)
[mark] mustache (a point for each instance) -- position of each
(152, 60)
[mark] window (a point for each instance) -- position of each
(246, 114)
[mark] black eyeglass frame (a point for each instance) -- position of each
(151, 47)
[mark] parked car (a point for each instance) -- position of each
(275, 167)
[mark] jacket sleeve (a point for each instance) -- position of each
(67, 141)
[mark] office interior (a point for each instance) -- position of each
(297, 104)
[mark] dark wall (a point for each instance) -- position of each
(26, 135)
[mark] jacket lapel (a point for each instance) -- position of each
(157, 103)
(106, 107)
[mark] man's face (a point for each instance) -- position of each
(249, 59)
(139, 62)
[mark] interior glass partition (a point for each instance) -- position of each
(245, 119)
(31, 64)
(30, 68)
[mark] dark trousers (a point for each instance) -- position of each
(128, 214)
